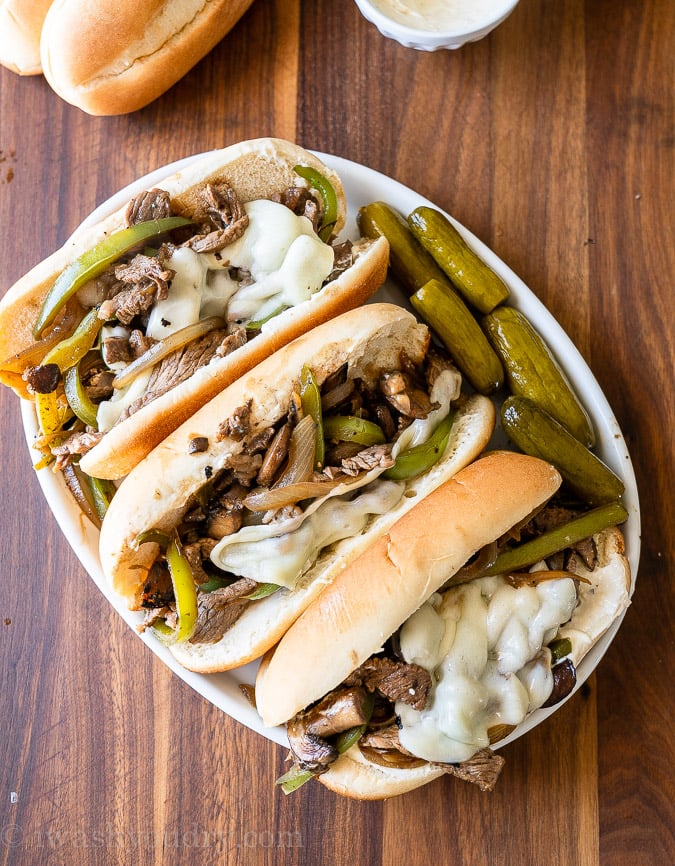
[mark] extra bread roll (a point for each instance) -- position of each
(255, 169)
(391, 579)
(114, 58)
(157, 493)
(20, 28)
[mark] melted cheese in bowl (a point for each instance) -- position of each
(485, 645)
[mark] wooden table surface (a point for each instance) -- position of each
(552, 140)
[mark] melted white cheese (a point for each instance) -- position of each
(181, 307)
(109, 411)
(287, 261)
(283, 559)
(485, 645)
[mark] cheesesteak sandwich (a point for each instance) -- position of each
(143, 317)
(247, 512)
(408, 666)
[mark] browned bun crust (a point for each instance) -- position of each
(255, 169)
(365, 604)
(20, 28)
(113, 58)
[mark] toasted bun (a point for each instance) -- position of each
(388, 582)
(20, 28)
(353, 775)
(155, 494)
(255, 169)
(113, 58)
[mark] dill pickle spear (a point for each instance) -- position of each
(555, 540)
(470, 275)
(410, 264)
(533, 372)
(447, 314)
(538, 434)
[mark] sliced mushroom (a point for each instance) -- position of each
(339, 711)
(404, 395)
(274, 456)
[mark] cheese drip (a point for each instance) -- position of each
(485, 645)
(285, 558)
(286, 259)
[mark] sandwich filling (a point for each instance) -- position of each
(341, 455)
(150, 305)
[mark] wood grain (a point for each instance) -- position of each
(552, 139)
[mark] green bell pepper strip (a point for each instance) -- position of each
(184, 590)
(102, 492)
(182, 580)
(310, 398)
(92, 263)
(330, 202)
(560, 649)
(262, 591)
(215, 583)
(154, 536)
(349, 428)
(293, 779)
(584, 526)
(70, 351)
(256, 324)
(418, 459)
(78, 399)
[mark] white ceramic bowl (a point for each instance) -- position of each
(465, 30)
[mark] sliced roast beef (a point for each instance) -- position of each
(177, 367)
(219, 609)
(300, 200)
(227, 219)
(152, 204)
(77, 443)
(482, 769)
(97, 383)
(396, 680)
(405, 395)
(144, 280)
